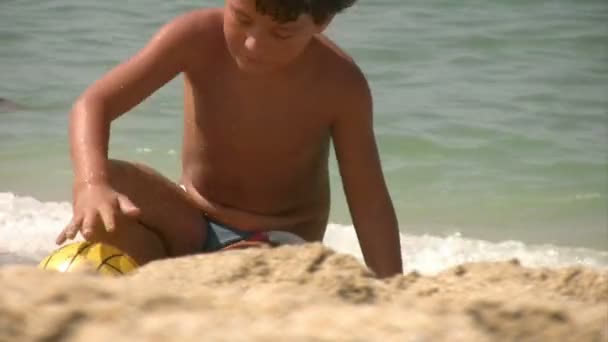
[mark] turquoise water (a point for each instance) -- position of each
(491, 117)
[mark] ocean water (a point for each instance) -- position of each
(491, 119)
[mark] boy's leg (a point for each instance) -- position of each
(170, 223)
(140, 243)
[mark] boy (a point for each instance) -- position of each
(264, 92)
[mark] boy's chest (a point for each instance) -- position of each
(258, 119)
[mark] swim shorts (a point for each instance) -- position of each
(223, 237)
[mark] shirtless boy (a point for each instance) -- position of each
(264, 92)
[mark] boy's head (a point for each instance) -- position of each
(265, 35)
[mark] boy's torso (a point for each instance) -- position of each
(256, 149)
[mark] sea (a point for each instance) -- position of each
(491, 119)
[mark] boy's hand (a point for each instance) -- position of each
(96, 206)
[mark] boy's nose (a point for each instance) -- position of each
(252, 43)
(255, 41)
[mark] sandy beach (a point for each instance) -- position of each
(303, 293)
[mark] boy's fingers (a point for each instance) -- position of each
(73, 227)
(67, 231)
(89, 223)
(127, 207)
(61, 237)
(108, 218)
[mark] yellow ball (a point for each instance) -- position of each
(103, 258)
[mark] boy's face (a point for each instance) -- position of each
(260, 44)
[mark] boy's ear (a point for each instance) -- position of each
(322, 26)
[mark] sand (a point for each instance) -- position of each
(302, 293)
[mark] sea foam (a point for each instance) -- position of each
(28, 228)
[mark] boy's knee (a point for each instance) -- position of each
(121, 169)
(117, 167)
(121, 173)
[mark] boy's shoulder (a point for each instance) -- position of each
(189, 32)
(196, 21)
(340, 71)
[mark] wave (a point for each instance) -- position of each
(28, 228)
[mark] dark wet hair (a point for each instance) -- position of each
(285, 11)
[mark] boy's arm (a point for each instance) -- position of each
(366, 191)
(117, 92)
(95, 202)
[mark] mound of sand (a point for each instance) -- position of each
(302, 293)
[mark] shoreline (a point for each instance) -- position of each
(9, 259)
